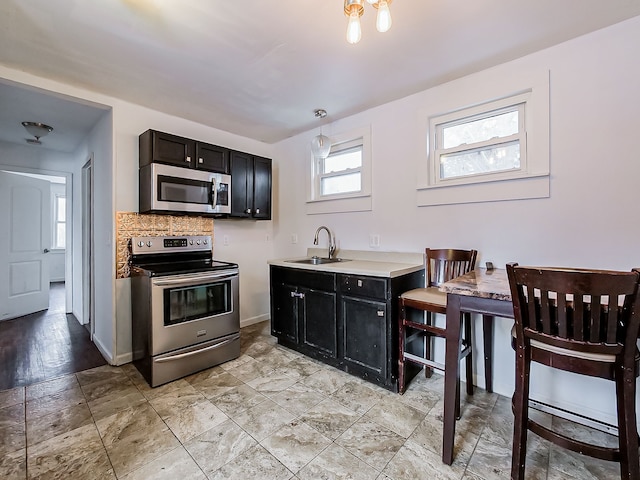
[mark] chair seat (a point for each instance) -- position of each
(430, 295)
(596, 357)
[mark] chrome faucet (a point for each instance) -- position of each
(332, 240)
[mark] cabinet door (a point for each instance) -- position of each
(284, 312)
(261, 188)
(318, 316)
(364, 334)
(167, 148)
(212, 158)
(241, 184)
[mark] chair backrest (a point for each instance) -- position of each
(445, 264)
(592, 311)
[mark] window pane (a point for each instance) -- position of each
(60, 208)
(342, 184)
(480, 130)
(494, 159)
(60, 235)
(340, 161)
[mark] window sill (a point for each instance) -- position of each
(361, 203)
(518, 188)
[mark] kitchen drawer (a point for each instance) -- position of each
(362, 286)
(304, 278)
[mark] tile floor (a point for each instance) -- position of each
(270, 414)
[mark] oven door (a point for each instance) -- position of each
(193, 308)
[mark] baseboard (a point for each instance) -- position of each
(123, 359)
(250, 321)
(103, 350)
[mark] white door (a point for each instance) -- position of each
(25, 239)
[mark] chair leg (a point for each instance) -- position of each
(487, 334)
(627, 430)
(521, 412)
(428, 340)
(469, 359)
(401, 341)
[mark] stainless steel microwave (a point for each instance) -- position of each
(167, 189)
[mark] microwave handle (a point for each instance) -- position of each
(214, 193)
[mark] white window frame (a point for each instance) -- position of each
(355, 144)
(439, 123)
(473, 94)
(343, 202)
(54, 230)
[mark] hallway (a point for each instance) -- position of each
(45, 345)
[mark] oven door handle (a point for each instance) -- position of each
(196, 352)
(192, 279)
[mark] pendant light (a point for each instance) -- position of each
(321, 144)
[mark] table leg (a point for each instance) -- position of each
(451, 375)
(487, 333)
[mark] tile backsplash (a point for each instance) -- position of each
(132, 224)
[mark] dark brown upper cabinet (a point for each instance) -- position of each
(250, 186)
(160, 147)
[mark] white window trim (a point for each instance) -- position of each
(531, 181)
(346, 202)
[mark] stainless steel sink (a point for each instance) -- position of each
(319, 260)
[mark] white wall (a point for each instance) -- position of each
(588, 221)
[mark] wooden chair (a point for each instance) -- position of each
(582, 321)
(415, 323)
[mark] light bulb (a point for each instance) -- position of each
(383, 21)
(354, 32)
(372, 2)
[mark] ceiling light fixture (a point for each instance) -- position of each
(354, 9)
(38, 130)
(321, 144)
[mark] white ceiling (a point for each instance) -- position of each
(260, 68)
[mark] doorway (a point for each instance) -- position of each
(87, 247)
(49, 258)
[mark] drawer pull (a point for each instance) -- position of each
(381, 313)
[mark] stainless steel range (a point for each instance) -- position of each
(185, 314)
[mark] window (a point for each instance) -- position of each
(485, 138)
(341, 172)
(342, 181)
(482, 143)
(59, 224)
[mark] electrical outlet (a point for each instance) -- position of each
(374, 240)
(225, 239)
(294, 238)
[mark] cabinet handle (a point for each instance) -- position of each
(248, 211)
(381, 313)
(257, 211)
(200, 160)
(297, 295)
(188, 159)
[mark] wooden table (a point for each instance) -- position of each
(479, 291)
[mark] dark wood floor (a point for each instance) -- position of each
(45, 345)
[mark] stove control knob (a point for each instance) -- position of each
(149, 243)
(198, 242)
(204, 242)
(190, 242)
(141, 244)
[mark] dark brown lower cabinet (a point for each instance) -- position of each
(348, 321)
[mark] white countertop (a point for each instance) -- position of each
(374, 264)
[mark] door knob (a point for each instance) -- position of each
(46, 250)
